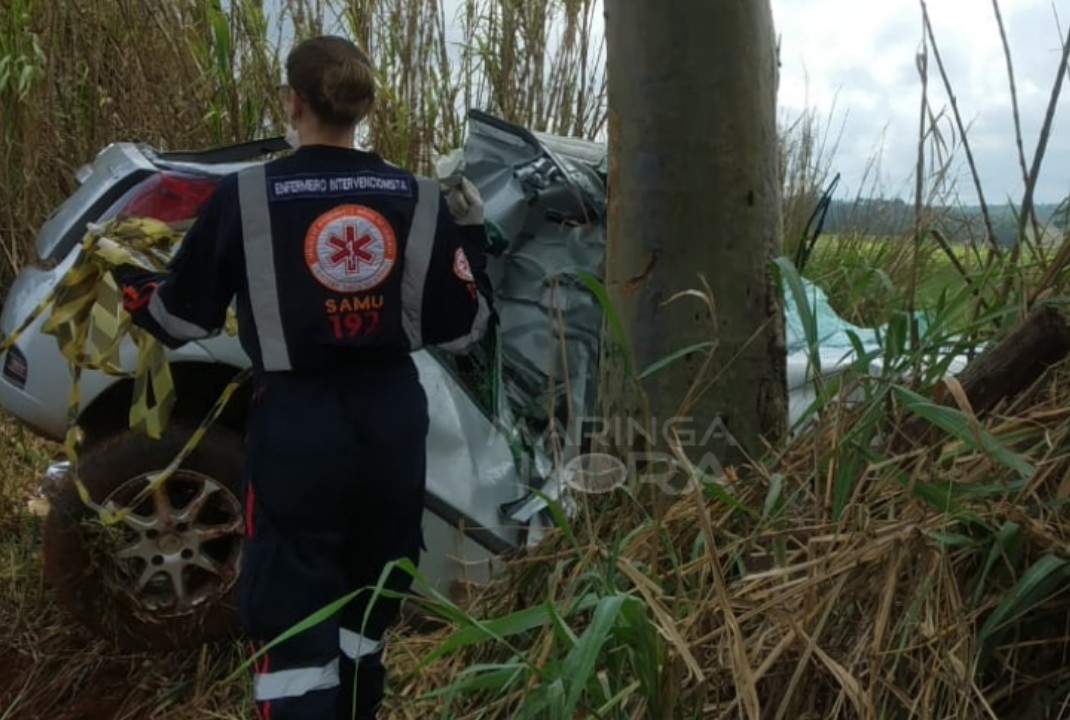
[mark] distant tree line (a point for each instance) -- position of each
(895, 218)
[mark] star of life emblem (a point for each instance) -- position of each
(351, 249)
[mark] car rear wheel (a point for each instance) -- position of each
(166, 576)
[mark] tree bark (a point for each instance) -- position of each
(1012, 365)
(1003, 371)
(694, 194)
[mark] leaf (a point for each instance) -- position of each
(548, 701)
(562, 627)
(895, 345)
(580, 662)
(639, 633)
(681, 353)
(560, 520)
(1000, 543)
(940, 497)
(805, 310)
(309, 622)
(499, 628)
(713, 489)
(887, 282)
(953, 540)
(1041, 580)
(850, 462)
(774, 498)
(481, 677)
(956, 424)
(618, 699)
(25, 79)
(595, 286)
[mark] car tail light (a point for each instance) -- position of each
(16, 369)
(170, 198)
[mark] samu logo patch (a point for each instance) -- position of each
(351, 249)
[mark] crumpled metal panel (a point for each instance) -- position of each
(471, 472)
(545, 200)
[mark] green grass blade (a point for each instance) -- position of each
(1048, 575)
(479, 677)
(617, 700)
(714, 490)
(956, 424)
(1000, 543)
(309, 622)
(850, 465)
(678, 355)
(805, 310)
(647, 648)
(940, 497)
(500, 628)
(774, 498)
(953, 540)
(546, 703)
(595, 286)
(579, 664)
(559, 624)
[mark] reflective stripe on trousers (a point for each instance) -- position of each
(263, 282)
(297, 682)
(354, 645)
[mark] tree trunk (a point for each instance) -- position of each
(1002, 371)
(694, 194)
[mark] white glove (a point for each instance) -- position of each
(449, 167)
(465, 203)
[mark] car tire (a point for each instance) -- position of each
(166, 578)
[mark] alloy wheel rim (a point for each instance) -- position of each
(180, 546)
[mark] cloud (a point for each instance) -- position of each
(855, 60)
(859, 59)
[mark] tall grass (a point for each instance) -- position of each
(193, 73)
(846, 575)
(841, 576)
(83, 75)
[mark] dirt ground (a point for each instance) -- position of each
(53, 669)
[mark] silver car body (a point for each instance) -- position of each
(545, 203)
(473, 471)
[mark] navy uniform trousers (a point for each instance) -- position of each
(334, 491)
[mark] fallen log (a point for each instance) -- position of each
(1002, 371)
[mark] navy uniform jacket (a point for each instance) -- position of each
(333, 255)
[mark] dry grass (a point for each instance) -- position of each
(838, 579)
(787, 606)
(50, 667)
(789, 610)
(185, 74)
(88, 74)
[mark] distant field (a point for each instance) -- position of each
(867, 278)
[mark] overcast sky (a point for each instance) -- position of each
(856, 59)
(854, 62)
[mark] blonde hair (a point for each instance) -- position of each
(334, 77)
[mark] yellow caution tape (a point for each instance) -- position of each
(109, 516)
(89, 323)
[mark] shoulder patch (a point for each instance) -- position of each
(461, 268)
(351, 249)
